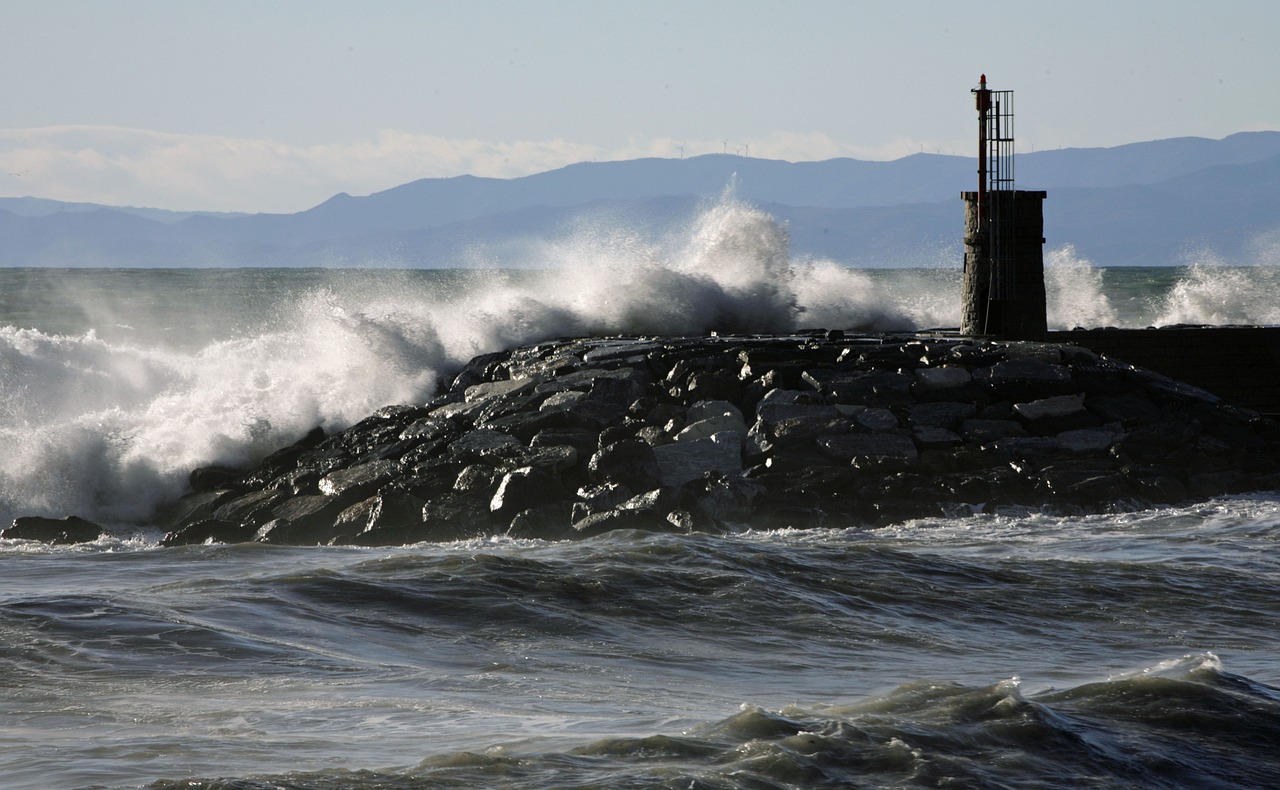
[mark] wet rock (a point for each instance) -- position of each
(356, 481)
(940, 414)
(1055, 414)
(396, 509)
(681, 462)
(546, 522)
(525, 488)
(306, 520)
(715, 385)
(802, 430)
(57, 531)
(1026, 379)
(453, 516)
(773, 412)
(980, 431)
(582, 435)
(482, 444)
(867, 388)
(709, 426)
(495, 389)
(630, 462)
(935, 439)
(195, 506)
(208, 478)
(723, 498)
(954, 384)
(877, 419)
(599, 523)
(481, 479)
(251, 508)
(871, 450)
(210, 531)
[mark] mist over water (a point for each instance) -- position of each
(114, 385)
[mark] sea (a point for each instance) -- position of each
(1019, 650)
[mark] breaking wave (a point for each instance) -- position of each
(108, 428)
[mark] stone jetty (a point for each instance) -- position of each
(576, 437)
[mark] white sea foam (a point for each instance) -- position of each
(108, 429)
(1074, 292)
(107, 424)
(1214, 293)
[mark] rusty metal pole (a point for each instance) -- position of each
(982, 97)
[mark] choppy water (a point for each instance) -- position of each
(1135, 650)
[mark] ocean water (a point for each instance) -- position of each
(1126, 650)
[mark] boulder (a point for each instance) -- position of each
(681, 462)
(359, 480)
(56, 531)
(210, 531)
(525, 488)
(630, 462)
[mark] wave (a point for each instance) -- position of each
(109, 429)
(107, 423)
(1183, 723)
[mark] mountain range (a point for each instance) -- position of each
(1149, 203)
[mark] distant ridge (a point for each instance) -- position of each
(1138, 204)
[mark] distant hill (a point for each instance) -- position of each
(1139, 204)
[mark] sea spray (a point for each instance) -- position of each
(728, 271)
(178, 369)
(1215, 293)
(121, 426)
(1074, 291)
(109, 429)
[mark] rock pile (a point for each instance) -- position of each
(577, 437)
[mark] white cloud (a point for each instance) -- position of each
(136, 167)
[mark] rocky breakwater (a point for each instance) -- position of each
(576, 437)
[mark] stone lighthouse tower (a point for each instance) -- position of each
(1003, 234)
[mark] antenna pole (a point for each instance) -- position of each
(982, 97)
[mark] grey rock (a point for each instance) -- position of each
(772, 413)
(877, 419)
(870, 449)
(710, 409)
(631, 463)
(942, 378)
(942, 414)
(210, 531)
(935, 438)
(1084, 440)
(483, 443)
(478, 478)
(358, 480)
(1056, 406)
(982, 431)
(56, 531)
(525, 488)
(869, 388)
(562, 400)
(684, 461)
(492, 389)
(705, 428)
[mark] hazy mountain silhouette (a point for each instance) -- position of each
(1148, 203)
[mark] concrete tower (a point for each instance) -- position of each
(1003, 235)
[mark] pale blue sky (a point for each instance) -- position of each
(275, 106)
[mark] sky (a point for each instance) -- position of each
(261, 106)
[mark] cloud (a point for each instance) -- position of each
(137, 167)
